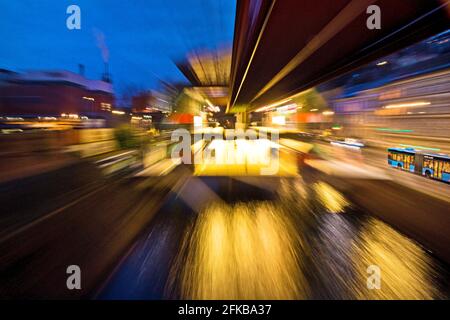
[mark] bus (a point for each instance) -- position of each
(433, 166)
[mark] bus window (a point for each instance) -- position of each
(403, 160)
(446, 167)
(409, 160)
(437, 168)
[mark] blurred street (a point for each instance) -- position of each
(237, 237)
(295, 242)
(221, 150)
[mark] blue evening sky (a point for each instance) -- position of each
(143, 37)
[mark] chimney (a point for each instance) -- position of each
(106, 77)
(81, 69)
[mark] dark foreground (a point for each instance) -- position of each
(212, 238)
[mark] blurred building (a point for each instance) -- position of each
(412, 112)
(402, 98)
(404, 106)
(430, 55)
(208, 72)
(52, 93)
(305, 111)
(151, 101)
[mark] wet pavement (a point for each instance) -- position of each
(271, 238)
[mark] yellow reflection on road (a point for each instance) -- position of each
(245, 251)
(405, 269)
(330, 198)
